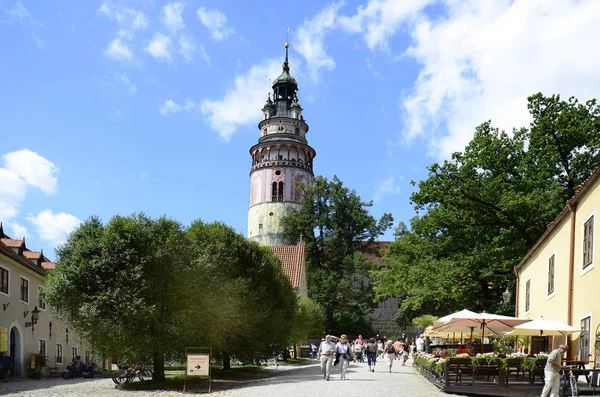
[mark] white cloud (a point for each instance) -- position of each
(117, 49)
(170, 107)
(173, 18)
(483, 59)
(380, 19)
(33, 168)
(54, 228)
(38, 42)
(386, 187)
(21, 14)
(12, 192)
(186, 47)
(23, 169)
(128, 19)
(18, 231)
(310, 38)
(215, 21)
(130, 86)
(238, 107)
(160, 47)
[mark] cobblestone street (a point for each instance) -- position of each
(296, 381)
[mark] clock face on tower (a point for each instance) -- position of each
(281, 128)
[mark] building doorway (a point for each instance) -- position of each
(15, 351)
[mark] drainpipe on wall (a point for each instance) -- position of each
(517, 293)
(572, 208)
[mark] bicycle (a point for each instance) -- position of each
(127, 374)
(568, 384)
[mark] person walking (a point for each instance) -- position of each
(371, 352)
(5, 362)
(343, 353)
(420, 343)
(405, 352)
(380, 348)
(389, 352)
(325, 356)
(552, 371)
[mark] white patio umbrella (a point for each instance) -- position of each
(494, 323)
(542, 327)
(443, 320)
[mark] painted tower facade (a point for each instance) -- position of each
(282, 161)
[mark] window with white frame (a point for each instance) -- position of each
(588, 242)
(584, 338)
(42, 347)
(59, 353)
(4, 280)
(24, 290)
(551, 275)
(74, 353)
(527, 295)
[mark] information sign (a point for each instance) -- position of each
(198, 364)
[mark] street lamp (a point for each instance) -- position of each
(35, 314)
(506, 295)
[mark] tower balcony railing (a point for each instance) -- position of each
(284, 163)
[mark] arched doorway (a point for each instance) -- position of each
(15, 352)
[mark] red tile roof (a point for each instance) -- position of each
(292, 261)
(571, 205)
(9, 242)
(31, 254)
(49, 265)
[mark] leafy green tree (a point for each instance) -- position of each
(119, 284)
(337, 228)
(424, 320)
(309, 321)
(257, 304)
(481, 211)
(144, 288)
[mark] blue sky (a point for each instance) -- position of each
(112, 107)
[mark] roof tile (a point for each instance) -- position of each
(292, 260)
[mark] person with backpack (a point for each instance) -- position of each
(371, 352)
(389, 352)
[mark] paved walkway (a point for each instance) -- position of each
(293, 381)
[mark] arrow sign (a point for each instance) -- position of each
(197, 367)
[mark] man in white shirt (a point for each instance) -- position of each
(325, 355)
(420, 342)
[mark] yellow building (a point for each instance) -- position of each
(556, 279)
(27, 324)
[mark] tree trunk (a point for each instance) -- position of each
(226, 361)
(329, 320)
(159, 365)
(295, 352)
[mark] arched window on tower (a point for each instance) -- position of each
(280, 193)
(277, 191)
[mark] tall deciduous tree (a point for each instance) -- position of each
(144, 288)
(481, 211)
(337, 228)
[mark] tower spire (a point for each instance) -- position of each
(286, 64)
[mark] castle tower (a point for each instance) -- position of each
(282, 161)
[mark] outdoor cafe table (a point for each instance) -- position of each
(578, 367)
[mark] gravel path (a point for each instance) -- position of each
(293, 381)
